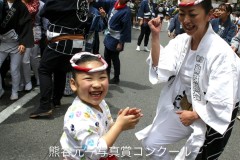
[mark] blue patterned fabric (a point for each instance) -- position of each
(227, 31)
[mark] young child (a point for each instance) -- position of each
(89, 130)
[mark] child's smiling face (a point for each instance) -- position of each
(91, 87)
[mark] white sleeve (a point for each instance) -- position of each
(82, 134)
(221, 94)
(167, 64)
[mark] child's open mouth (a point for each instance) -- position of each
(96, 93)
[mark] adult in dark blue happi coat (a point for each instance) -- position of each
(119, 32)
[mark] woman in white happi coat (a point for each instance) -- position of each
(200, 66)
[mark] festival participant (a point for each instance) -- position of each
(119, 33)
(145, 14)
(25, 70)
(15, 36)
(200, 97)
(175, 27)
(223, 25)
(89, 130)
(68, 25)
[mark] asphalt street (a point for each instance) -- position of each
(22, 138)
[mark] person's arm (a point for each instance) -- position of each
(230, 34)
(235, 43)
(155, 26)
(187, 117)
(124, 122)
(125, 33)
(25, 32)
(140, 13)
(172, 25)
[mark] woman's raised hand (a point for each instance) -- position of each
(155, 25)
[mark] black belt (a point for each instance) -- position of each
(62, 29)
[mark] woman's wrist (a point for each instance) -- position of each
(155, 36)
(196, 116)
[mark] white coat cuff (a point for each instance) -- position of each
(157, 74)
(102, 149)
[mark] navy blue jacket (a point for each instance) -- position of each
(120, 22)
(227, 31)
(145, 12)
(175, 24)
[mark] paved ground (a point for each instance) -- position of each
(26, 139)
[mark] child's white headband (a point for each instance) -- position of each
(182, 4)
(78, 56)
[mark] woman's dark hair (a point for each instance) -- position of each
(228, 7)
(207, 5)
(84, 58)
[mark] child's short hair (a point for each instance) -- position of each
(83, 57)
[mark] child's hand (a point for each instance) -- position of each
(135, 111)
(132, 111)
(128, 121)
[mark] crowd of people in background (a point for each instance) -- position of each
(22, 55)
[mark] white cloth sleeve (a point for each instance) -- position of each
(86, 137)
(221, 94)
(167, 63)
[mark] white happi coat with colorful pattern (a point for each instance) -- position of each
(83, 128)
